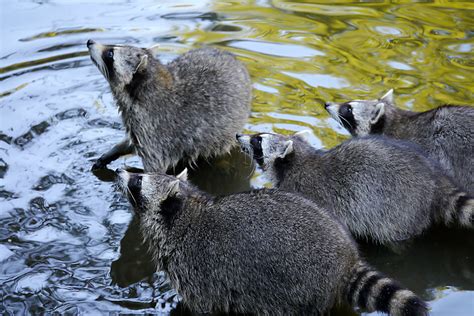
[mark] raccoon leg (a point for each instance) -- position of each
(123, 148)
(370, 290)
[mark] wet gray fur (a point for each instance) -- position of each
(189, 108)
(383, 189)
(263, 252)
(446, 133)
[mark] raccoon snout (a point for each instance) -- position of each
(122, 176)
(132, 180)
(119, 171)
(90, 43)
(131, 185)
(243, 140)
(327, 104)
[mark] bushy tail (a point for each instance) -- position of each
(370, 290)
(463, 211)
(457, 207)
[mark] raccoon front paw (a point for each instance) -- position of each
(99, 164)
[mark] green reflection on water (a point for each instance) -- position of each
(301, 53)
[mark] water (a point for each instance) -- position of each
(69, 242)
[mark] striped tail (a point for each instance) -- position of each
(370, 290)
(460, 209)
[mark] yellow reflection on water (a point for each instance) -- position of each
(302, 53)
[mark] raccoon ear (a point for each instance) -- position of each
(173, 188)
(183, 176)
(388, 97)
(153, 47)
(143, 64)
(172, 202)
(378, 112)
(303, 135)
(288, 149)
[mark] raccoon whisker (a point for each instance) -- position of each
(106, 72)
(247, 158)
(99, 65)
(337, 118)
(101, 68)
(118, 187)
(131, 195)
(251, 172)
(342, 117)
(245, 154)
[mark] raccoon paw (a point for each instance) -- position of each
(99, 164)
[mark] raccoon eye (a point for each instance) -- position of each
(110, 53)
(135, 182)
(256, 141)
(346, 109)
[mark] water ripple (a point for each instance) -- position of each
(69, 242)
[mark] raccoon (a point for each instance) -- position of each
(189, 108)
(382, 189)
(445, 133)
(264, 252)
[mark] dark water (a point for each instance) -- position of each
(69, 242)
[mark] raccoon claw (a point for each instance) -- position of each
(99, 164)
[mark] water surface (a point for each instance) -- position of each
(70, 243)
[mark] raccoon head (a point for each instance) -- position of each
(119, 64)
(362, 117)
(271, 151)
(153, 194)
(264, 148)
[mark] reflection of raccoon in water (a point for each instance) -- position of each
(264, 252)
(380, 188)
(445, 133)
(189, 108)
(431, 261)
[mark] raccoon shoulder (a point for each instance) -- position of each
(202, 60)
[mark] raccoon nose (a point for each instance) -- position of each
(237, 136)
(90, 43)
(327, 104)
